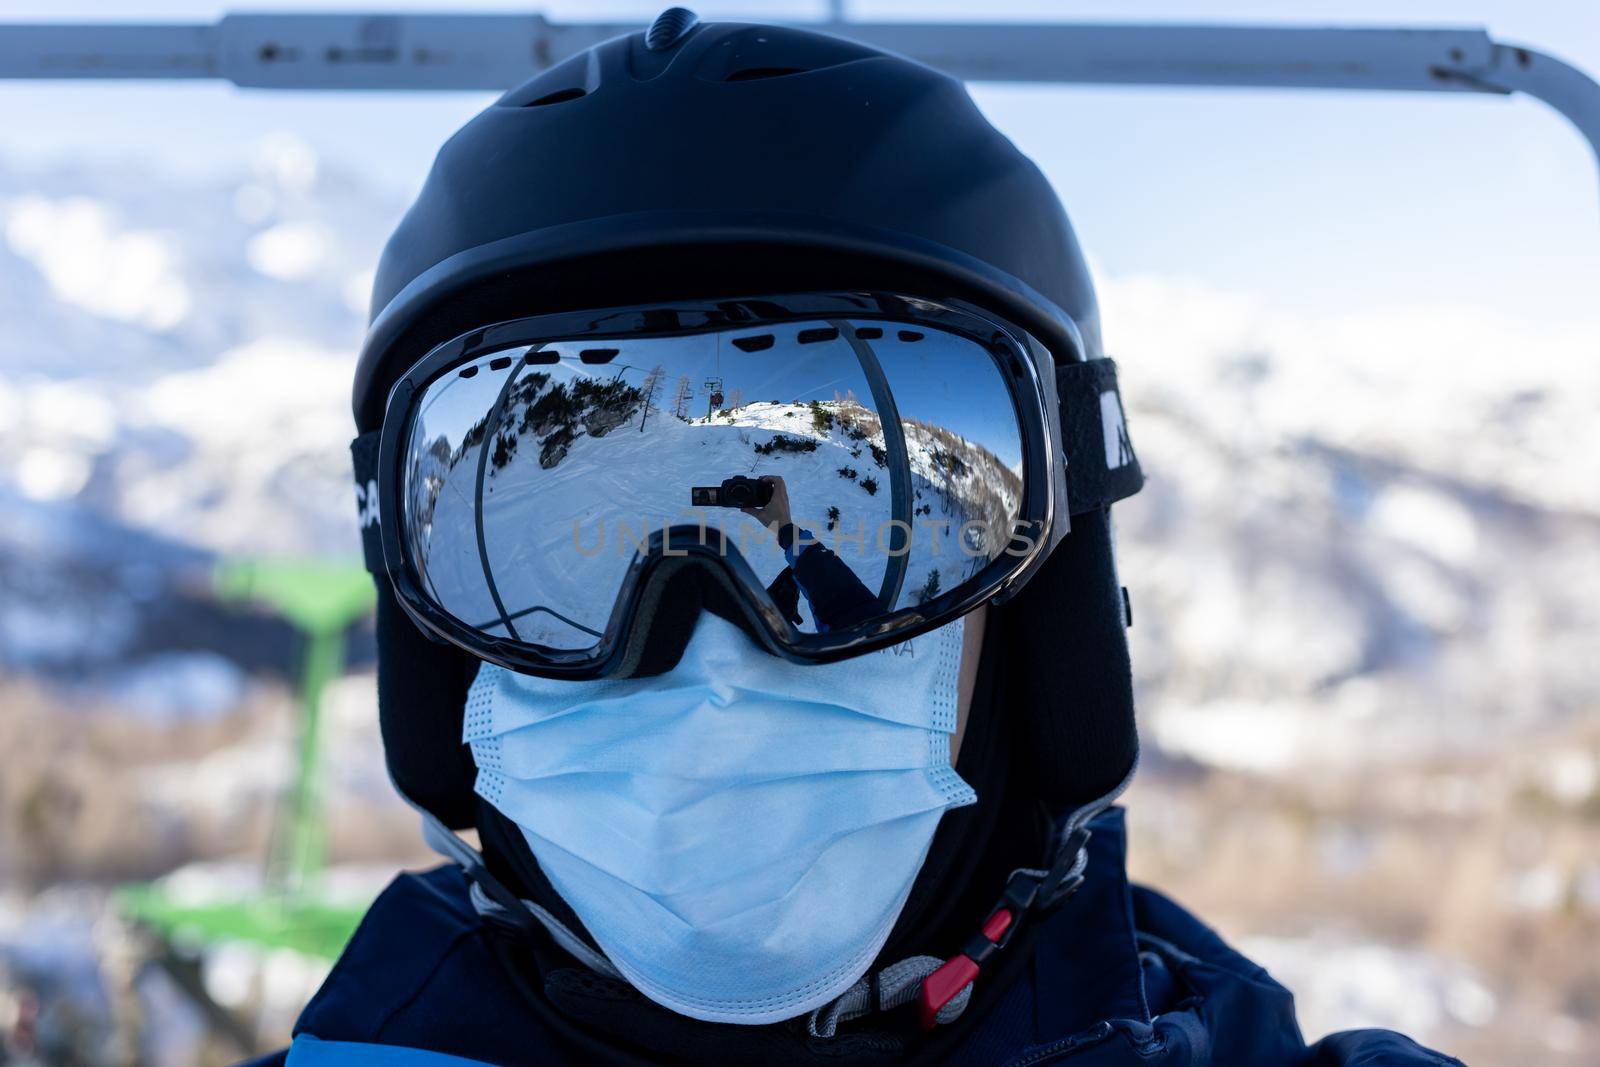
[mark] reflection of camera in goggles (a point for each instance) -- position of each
(735, 492)
(535, 481)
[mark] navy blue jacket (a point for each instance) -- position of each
(1119, 975)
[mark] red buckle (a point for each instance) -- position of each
(1022, 892)
(941, 987)
(955, 973)
(995, 927)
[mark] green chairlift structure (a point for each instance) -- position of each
(322, 600)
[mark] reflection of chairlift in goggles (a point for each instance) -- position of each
(541, 481)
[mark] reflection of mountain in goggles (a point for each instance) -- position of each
(844, 461)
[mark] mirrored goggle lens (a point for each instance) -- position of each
(534, 475)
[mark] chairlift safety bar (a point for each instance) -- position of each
(497, 51)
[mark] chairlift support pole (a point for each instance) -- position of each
(497, 51)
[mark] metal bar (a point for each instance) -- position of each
(1152, 54)
(1560, 86)
(491, 51)
(105, 50)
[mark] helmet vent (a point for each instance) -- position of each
(670, 27)
(750, 74)
(758, 53)
(560, 96)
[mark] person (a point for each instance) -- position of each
(706, 834)
(834, 594)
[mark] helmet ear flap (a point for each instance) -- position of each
(422, 695)
(1067, 666)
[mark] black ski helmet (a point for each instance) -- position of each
(732, 160)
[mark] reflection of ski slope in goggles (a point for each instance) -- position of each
(534, 473)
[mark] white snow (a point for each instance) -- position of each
(358, 292)
(225, 783)
(286, 161)
(1459, 389)
(290, 251)
(179, 684)
(267, 425)
(556, 535)
(1356, 524)
(1341, 984)
(51, 473)
(94, 262)
(1573, 776)
(1365, 537)
(1427, 520)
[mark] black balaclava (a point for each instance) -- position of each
(972, 852)
(531, 207)
(1091, 751)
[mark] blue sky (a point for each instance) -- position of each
(1305, 200)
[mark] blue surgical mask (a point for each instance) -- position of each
(739, 834)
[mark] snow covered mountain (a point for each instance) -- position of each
(555, 445)
(1362, 533)
(174, 380)
(1366, 537)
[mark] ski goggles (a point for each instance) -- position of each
(855, 469)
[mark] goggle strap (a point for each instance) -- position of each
(1101, 465)
(364, 457)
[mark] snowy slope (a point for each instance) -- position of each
(1363, 534)
(1365, 537)
(173, 385)
(582, 493)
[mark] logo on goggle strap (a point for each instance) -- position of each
(367, 503)
(1119, 448)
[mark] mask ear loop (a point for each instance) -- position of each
(496, 903)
